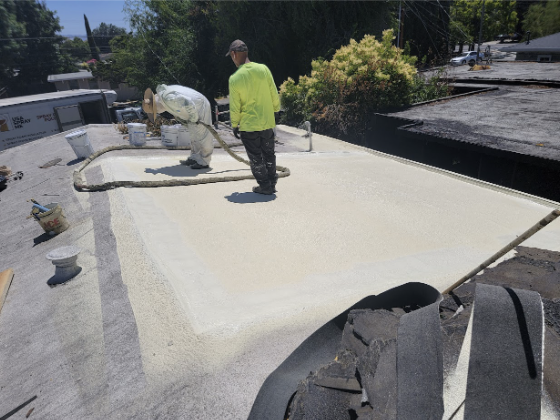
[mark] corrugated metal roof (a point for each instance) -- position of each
(46, 96)
(70, 76)
(550, 43)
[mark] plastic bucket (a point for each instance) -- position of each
(53, 220)
(183, 137)
(80, 143)
(169, 134)
(137, 134)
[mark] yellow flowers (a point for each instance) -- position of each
(368, 75)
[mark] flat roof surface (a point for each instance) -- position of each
(190, 297)
(549, 43)
(515, 118)
(17, 100)
(509, 70)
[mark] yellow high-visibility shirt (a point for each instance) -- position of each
(253, 98)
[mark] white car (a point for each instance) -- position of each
(466, 57)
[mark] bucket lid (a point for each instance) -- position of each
(75, 134)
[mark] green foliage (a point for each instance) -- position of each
(288, 35)
(429, 88)
(123, 66)
(361, 78)
(77, 48)
(162, 47)
(33, 48)
(543, 19)
(500, 17)
(103, 34)
(185, 41)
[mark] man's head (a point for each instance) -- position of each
(238, 52)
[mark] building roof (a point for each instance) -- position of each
(70, 76)
(190, 296)
(17, 100)
(550, 43)
(514, 118)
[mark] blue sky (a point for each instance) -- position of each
(71, 14)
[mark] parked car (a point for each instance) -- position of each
(466, 57)
(514, 37)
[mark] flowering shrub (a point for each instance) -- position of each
(362, 77)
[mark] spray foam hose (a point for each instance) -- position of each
(80, 185)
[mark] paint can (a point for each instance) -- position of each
(137, 134)
(80, 143)
(169, 134)
(53, 220)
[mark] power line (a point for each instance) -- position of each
(160, 60)
(436, 27)
(417, 13)
(451, 20)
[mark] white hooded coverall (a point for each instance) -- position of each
(190, 106)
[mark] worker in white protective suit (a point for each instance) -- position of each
(189, 106)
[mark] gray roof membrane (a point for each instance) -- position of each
(550, 43)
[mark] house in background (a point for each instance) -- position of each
(543, 50)
(85, 80)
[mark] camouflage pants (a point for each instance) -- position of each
(259, 146)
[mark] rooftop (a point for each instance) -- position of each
(190, 297)
(508, 71)
(17, 100)
(520, 119)
(550, 43)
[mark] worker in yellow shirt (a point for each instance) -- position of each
(253, 100)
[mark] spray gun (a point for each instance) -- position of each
(307, 126)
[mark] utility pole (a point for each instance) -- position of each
(399, 32)
(480, 32)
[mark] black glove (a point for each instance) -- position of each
(236, 132)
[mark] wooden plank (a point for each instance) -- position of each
(5, 281)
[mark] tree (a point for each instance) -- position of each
(363, 77)
(543, 19)
(92, 47)
(33, 51)
(426, 29)
(77, 48)
(500, 17)
(104, 33)
(185, 41)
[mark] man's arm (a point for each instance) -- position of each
(273, 92)
(234, 106)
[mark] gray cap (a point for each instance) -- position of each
(237, 45)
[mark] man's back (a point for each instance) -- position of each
(253, 98)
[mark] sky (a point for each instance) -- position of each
(71, 14)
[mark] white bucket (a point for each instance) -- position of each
(183, 137)
(137, 134)
(80, 143)
(169, 134)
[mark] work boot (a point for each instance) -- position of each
(263, 189)
(187, 162)
(273, 183)
(197, 166)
